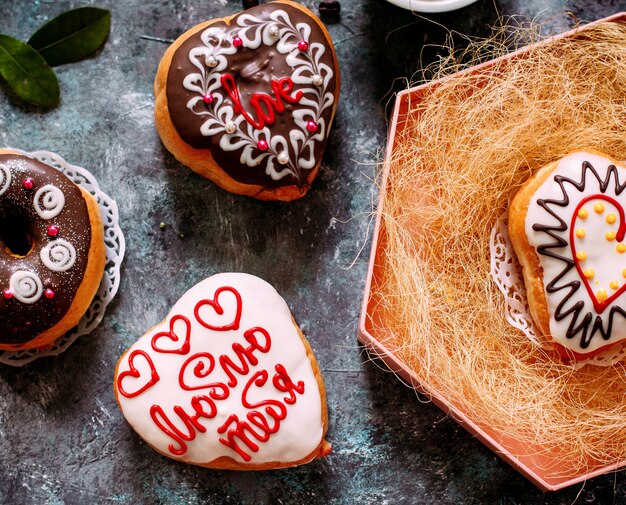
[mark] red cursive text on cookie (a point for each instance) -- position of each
(264, 105)
(184, 424)
(260, 425)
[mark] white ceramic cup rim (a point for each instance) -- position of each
(431, 5)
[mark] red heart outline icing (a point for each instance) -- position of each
(234, 325)
(133, 372)
(184, 349)
(621, 232)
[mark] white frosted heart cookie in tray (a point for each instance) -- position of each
(567, 226)
(227, 380)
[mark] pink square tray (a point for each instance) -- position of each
(518, 455)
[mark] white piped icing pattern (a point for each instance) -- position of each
(49, 201)
(26, 286)
(5, 178)
(211, 60)
(177, 391)
(59, 255)
(574, 222)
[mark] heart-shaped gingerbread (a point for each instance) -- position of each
(238, 388)
(248, 101)
(568, 227)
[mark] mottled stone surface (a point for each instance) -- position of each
(62, 438)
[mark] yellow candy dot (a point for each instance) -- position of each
(599, 208)
(589, 273)
(624, 272)
(581, 255)
(611, 218)
(602, 295)
(621, 248)
(580, 233)
(614, 284)
(583, 213)
(610, 235)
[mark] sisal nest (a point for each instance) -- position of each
(462, 153)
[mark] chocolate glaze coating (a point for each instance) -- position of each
(253, 70)
(21, 322)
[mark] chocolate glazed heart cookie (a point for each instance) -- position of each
(248, 101)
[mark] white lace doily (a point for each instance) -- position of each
(115, 248)
(506, 272)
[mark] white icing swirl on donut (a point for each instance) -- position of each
(49, 201)
(26, 286)
(5, 178)
(59, 255)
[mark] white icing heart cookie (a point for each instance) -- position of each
(227, 380)
(568, 226)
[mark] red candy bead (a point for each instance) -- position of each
(237, 42)
(29, 184)
(311, 126)
(53, 231)
(208, 98)
(262, 145)
(49, 293)
(7, 294)
(303, 45)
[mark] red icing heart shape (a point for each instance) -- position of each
(219, 310)
(174, 337)
(599, 305)
(134, 373)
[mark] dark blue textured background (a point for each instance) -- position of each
(62, 438)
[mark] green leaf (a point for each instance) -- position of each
(72, 36)
(27, 73)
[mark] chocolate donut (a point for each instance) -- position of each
(52, 252)
(248, 101)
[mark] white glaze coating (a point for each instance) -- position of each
(601, 254)
(308, 69)
(5, 178)
(49, 201)
(302, 429)
(26, 286)
(59, 255)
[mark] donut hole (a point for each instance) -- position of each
(16, 235)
